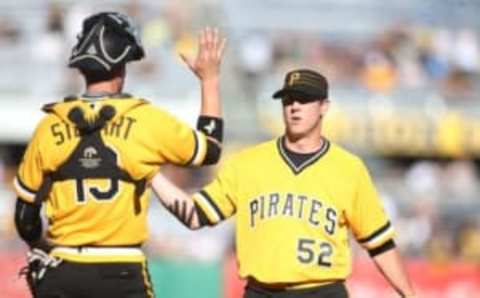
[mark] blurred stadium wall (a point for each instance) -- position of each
(405, 95)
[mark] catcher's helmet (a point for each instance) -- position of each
(108, 40)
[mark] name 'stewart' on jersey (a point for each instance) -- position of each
(302, 207)
(120, 128)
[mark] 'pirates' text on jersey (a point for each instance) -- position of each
(292, 222)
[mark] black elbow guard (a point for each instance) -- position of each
(27, 221)
(211, 126)
(214, 151)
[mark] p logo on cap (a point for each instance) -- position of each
(304, 84)
(295, 76)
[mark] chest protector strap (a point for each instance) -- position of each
(91, 159)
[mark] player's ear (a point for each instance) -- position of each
(324, 106)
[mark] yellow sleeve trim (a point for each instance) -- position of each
(23, 192)
(379, 237)
(200, 148)
(211, 210)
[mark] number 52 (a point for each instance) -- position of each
(307, 252)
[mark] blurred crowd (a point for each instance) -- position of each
(403, 55)
(434, 203)
(435, 206)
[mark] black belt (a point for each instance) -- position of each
(289, 292)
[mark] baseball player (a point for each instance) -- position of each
(295, 199)
(91, 158)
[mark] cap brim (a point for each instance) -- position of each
(295, 91)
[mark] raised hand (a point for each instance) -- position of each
(211, 46)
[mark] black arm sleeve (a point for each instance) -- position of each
(212, 127)
(28, 221)
(390, 244)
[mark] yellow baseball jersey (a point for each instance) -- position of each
(292, 222)
(97, 211)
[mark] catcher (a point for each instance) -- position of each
(91, 158)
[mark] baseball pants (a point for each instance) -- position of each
(333, 290)
(96, 280)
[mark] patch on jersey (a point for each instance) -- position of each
(90, 159)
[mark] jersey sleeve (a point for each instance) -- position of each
(29, 176)
(176, 141)
(368, 220)
(218, 199)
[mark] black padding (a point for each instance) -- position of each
(108, 40)
(214, 151)
(211, 126)
(77, 116)
(44, 190)
(28, 221)
(92, 158)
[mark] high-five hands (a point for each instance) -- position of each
(211, 46)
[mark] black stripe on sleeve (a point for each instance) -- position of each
(195, 151)
(212, 203)
(202, 217)
(376, 233)
(390, 244)
(22, 185)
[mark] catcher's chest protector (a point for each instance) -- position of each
(92, 159)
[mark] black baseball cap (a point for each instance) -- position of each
(304, 83)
